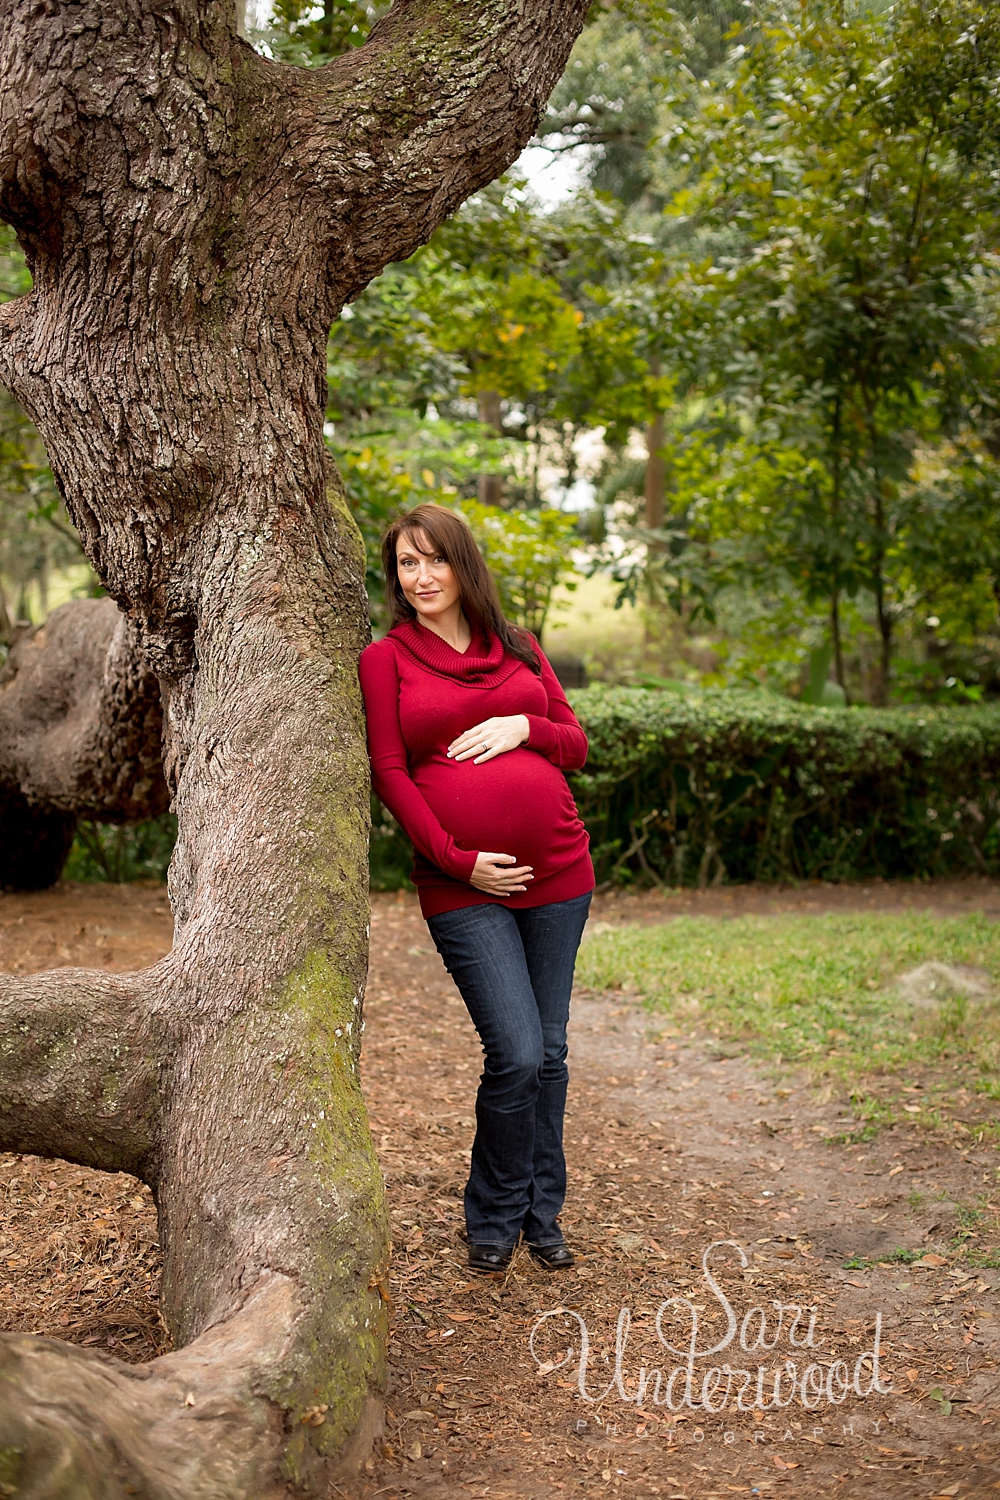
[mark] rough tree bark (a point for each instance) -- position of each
(80, 737)
(194, 218)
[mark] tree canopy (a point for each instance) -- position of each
(776, 274)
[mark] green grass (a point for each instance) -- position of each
(898, 1257)
(819, 991)
(986, 1259)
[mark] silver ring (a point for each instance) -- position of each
(484, 744)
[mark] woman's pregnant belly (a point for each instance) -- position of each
(518, 804)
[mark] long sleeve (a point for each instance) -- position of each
(557, 735)
(390, 770)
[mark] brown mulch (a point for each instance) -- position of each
(672, 1144)
(79, 1255)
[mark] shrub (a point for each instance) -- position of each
(703, 787)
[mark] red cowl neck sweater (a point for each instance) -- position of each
(420, 694)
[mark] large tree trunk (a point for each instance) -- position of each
(194, 218)
(34, 842)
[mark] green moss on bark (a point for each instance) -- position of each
(346, 1341)
(10, 1469)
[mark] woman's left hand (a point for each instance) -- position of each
(489, 739)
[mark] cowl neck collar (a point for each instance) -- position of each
(485, 664)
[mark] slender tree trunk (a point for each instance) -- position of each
(654, 494)
(569, 435)
(838, 648)
(489, 487)
(881, 694)
(655, 482)
(882, 613)
(835, 509)
(194, 218)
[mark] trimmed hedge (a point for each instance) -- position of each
(702, 787)
(705, 787)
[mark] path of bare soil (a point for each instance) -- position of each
(672, 1145)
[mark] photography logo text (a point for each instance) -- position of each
(767, 1357)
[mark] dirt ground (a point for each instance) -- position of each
(673, 1145)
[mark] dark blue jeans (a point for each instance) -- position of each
(514, 969)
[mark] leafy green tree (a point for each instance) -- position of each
(297, 34)
(529, 553)
(950, 561)
(634, 60)
(605, 107)
(853, 319)
(476, 325)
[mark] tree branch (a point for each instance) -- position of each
(439, 101)
(78, 1069)
(80, 718)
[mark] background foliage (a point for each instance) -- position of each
(777, 273)
(118, 853)
(38, 544)
(745, 370)
(713, 786)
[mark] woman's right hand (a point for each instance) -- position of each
(493, 876)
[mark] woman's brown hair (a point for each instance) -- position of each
(451, 537)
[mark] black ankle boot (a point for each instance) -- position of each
(553, 1257)
(489, 1257)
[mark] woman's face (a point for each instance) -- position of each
(425, 577)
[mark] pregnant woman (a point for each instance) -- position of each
(469, 734)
